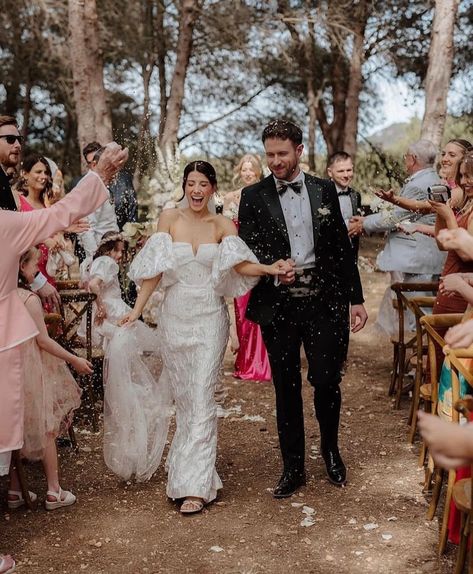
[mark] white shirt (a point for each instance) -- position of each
(102, 220)
(346, 206)
(298, 217)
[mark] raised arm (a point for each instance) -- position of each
(408, 203)
(22, 230)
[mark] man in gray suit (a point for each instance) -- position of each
(407, 257)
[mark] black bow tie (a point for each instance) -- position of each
(344, 192)
(283, 186)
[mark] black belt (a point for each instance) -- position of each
(304, 283)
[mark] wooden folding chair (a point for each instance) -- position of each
(428, 394)
(67, 285)
(404, 341)
(457, 368)
(75, 305)
(417, 306)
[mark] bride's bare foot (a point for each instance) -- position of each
(191, 505)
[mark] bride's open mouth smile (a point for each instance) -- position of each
(197, 200)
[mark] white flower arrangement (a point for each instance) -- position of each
(165, 183)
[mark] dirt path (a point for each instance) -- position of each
(376, 524)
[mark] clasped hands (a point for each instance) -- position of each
(286, 271)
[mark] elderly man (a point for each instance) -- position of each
(407, 257)
(10, 150)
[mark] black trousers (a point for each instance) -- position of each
(323, 329)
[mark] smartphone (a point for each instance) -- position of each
(440, 193)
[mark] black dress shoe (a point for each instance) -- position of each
(289, 482)
(336, 471)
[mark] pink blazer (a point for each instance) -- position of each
(19, 232)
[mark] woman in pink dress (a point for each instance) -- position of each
(33, 188)
(251, 361)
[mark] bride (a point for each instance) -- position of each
(197, 257)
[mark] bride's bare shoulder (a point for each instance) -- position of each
(225, 225)
(167, 218)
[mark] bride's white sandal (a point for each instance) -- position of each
(18, 502)
(68, 499)
(192, 505)
(7, 562)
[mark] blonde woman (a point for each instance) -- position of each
(251, 361)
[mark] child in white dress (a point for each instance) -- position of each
(133, 404)
(102, 279)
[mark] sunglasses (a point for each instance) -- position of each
(11, 139)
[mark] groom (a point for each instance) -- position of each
(294, 216)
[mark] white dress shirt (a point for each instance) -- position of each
(298, 217)
(102, 220)
(346, 206)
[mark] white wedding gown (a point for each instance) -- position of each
(192, 334)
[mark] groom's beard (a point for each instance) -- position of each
(288, 173)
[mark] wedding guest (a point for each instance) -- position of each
(18, 232)
(450, 444)
(34, 187)
(50, 394)
(251, 362)
(102, 280)
(121, 189)
(447, 218)
(406, 257)
(340, 171)
(452, 154)
(296, 217)
(10, 150)
(197, 258)
(135, 410)
(104, 218)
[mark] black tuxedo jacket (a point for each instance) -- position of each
(7, 200)
(262, 227)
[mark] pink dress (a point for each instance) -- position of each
(252, 362)
(44, 251)
(50, 391)
(18, 232)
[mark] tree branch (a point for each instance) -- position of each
(240, 106)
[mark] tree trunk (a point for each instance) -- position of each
(161, 63)
(439, 70)
(355, 83)
(93, 115)
(27, 105)
(147, 68)
(144, 138)
(188, 15)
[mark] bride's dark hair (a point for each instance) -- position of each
(203, 167)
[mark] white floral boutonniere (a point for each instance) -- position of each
(323, 212)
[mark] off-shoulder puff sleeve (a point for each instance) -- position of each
(225, 280)
(105, 268)
(155, 258)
